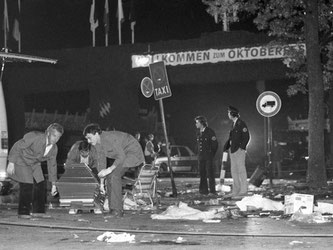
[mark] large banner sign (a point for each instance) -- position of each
(217, 55)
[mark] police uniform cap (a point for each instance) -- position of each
(233, 110)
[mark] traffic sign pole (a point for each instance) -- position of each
(268, 104)
(162, 90)
(269, 149)
(173, 185)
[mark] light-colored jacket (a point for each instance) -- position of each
(27, 155)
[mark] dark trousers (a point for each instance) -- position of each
(32, 198)
(114, 188)
(206, 171)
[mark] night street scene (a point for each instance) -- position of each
(166, 124)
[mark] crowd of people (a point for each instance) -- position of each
(126, 151)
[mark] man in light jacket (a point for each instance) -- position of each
(24, 166)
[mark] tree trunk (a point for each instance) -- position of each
(316, 174)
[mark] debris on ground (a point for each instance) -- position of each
(279, 199)
(110, 237)
(258, 202)
(184, 212)
(315, 217)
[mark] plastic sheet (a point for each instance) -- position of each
(183, 211)
(258, 202)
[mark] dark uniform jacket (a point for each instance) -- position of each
(27, 155)
(238, 137)
(207, 144)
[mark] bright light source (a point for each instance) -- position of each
(3, 176)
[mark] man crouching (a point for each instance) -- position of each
(126, 152)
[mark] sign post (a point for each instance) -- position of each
(268, 104)
(159, 85)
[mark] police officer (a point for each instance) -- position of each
(207, 147)
(236, 144)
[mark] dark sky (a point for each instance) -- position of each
(56, 24)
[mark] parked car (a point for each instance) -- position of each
(183, 160)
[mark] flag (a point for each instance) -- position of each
(106, 17)
(5, 17)
(104, 108)
(132, 15)
(93, 19)
(120, 15)
(132, 18)
(16, 30)
(16, 26)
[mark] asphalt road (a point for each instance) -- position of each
(81, 232)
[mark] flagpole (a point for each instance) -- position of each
(19, 38)
(133, 30)
(93, 37)
(119, 30)
(5, 22)
(106, 40)
(120, 18)
(19, 43)
(93, 22)
(106, 22)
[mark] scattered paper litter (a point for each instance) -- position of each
(324, 208)
(258, 202)
(112, 237)
(183, 211)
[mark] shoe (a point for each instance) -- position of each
(40, 215)
(24, 216)
(213, 194)
(115, 214)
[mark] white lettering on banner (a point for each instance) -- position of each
(217, 55)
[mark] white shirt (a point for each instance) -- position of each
(48, 148)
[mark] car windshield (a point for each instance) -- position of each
(183, 151)
(174, 151)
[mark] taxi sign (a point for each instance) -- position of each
(268, 104)
(147, 88)
(160, 80)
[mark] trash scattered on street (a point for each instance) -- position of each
(223, 188)
(297, 201)
(180, 240)
(324, 207)
(183, 211)
(258, 202)
(315, 217)
(295, 242)
(212, 221)
(113, 237)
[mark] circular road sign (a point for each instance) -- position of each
(147, 87)
(268, 104)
